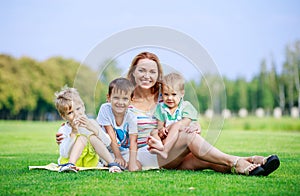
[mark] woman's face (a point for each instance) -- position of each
(146, 73)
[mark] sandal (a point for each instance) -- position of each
(114, 167)
(271, 163)
(67, 167)
(258, 171)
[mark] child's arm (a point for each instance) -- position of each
(114, 146)
(133, 166)
(67, 141)
(160, 124)
(156, 133)
(89, 124)
(190, 118)
(93, 126)
(162, 131)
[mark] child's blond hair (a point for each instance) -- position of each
(65, 98)
(174, 81)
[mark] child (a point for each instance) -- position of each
(172, 109)
(83, 141)
(120, 123)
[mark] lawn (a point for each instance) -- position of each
(33, 143)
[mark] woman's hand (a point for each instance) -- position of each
(59, 137)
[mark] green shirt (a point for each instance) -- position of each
(184, 110)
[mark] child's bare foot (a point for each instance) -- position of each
(163, 154)
(155, 143)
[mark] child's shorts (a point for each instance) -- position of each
(88, 158)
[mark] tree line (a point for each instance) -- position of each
(268, 89)
(27, 86)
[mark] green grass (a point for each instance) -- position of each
(255, 123)
(33, 143)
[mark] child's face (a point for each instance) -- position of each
(171, 97)
(74, 113)
(119, 101)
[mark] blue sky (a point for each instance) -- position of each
(236, 34)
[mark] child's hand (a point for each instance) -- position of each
(163, 133)
(121, 161)
(86, 123)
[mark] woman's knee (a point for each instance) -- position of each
(187, 137)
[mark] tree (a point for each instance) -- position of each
(203, 95)
(264, 93)
(230, 94)
(190, 94)
(10, 91)
(253, 94)
(241, 94)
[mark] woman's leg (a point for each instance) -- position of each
(202, 150)
(190, 162)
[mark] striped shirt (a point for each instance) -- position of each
(146, 122)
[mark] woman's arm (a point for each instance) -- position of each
(133, 164)
(59, 137)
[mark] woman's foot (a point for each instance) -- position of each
(241, 166)
(257, 160)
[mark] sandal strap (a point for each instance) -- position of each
(252, 159)
(233, 168)
(65, 164)
(115, 164)
(246, 170)
(266, 159)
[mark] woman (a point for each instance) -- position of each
(190, 151)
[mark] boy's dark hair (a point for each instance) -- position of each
(121, 84)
